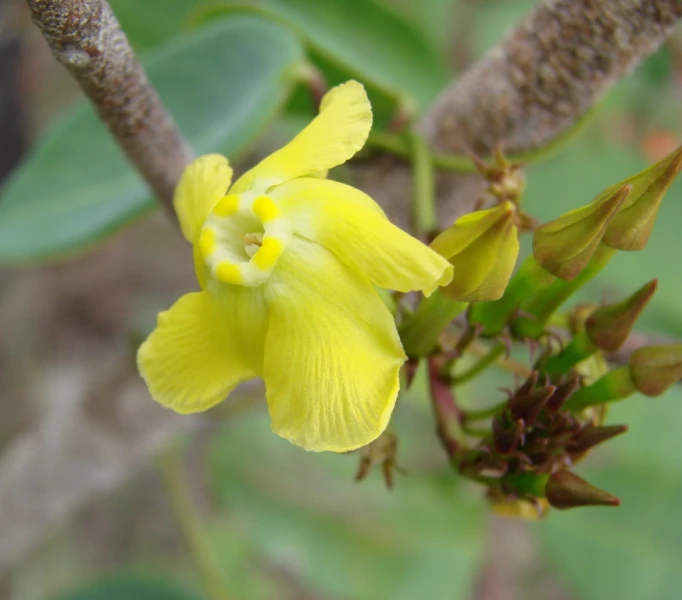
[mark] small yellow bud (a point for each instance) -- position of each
(482, 247)
(565, 246)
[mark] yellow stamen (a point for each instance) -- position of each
(265, 209)
(228, 272)
(226, 206)
(207, 242)
(268, 254)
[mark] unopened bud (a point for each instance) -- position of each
(593, 435)
(655, 368)
(566, 490)
(507, 436)
(528, 406)
(562, 393)
(483, 247)
(566, 245)
(382, 451)
(608, 327)
(631, 227)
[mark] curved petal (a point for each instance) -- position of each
(351, 225)
(202, 184)
(336, 134)
(332, 353)
(194, 357)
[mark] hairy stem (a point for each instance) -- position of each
(86, 38)
(547, 73)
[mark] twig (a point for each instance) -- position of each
(547, 73)
(528, 91)
(86, 38)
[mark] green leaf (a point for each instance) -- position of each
(364, 39)
(147, 24)
(634, 551)
(222, 83)
(345, 540)
(128, 587)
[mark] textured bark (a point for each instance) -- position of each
(86, 38)
(547, 73)
(528, 90)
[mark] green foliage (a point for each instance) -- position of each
(635, 551)
(363, 39)
(301, 511)
(222, 84)
(129, 587)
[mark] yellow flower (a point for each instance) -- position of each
(287, 262)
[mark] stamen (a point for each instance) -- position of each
(252, 238)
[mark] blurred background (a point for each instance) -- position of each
(93, 505)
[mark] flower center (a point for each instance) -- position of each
(243, 238)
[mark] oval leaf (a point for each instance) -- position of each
(364, 39)
(222, 84)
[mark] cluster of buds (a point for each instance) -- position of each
(526, 450)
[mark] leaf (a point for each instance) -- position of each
(634, 551)
(147, 24)
(303, 512)
(128, 587)
(365, 39)
(222, 84)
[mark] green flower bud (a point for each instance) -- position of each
(655, 368)
(609, 326)
(483, 247)
(631, 227)
(566, 490)
(565, 246)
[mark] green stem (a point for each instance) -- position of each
(424, 202)
(577, 350)
(545, 302)
(421, 331)
(495, 352)
(191, 528)
(484, 413)
(398, 145)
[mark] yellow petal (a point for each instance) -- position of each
(332, 353)
(203, 183)
(336, 134)
(352, 226)
(195, 356)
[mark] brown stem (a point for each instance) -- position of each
(446, 412)
(528, 90)
(85, 36)
(547, 73)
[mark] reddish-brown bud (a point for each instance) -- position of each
(609, 326)
(566, 490)
(655, 368)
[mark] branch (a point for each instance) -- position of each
(547, 73)
(86, 38)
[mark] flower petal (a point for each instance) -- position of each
(332, 353)
(351, 225)
(193, 358)
(202, 184)
(336, 134)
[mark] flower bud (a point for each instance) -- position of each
(608, 327)
(528, 406)
(483, 247)
(631, 227)
(593, 435)
(655, 368)
(566, 490)
(565, 246)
